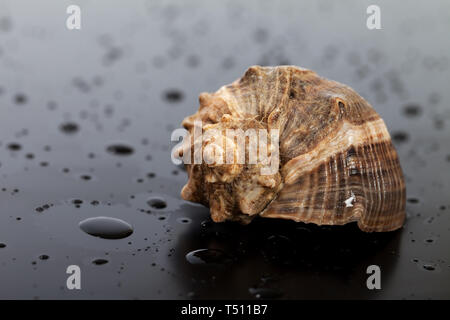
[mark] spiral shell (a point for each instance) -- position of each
(336, 160)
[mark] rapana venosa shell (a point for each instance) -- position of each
(337, 163)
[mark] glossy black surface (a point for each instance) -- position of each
(85, 124)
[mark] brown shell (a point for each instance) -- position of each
(332, 146)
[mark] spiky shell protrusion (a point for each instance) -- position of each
(337, 163)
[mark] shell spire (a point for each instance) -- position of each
(334, 160)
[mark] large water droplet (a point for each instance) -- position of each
(429, 267)
(106, 227)
(400, 136)
(20, 98)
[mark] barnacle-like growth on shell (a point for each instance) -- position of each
(334, 159)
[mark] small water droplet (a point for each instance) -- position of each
(412, 110)
(20, 98)
(100, 261)
(120, 149)
(265, 293)
(13, 146)
(85, 177)
(208, 257)
(260, 35)
(106, 227)
(173, 95)
(184, 220)
(69, 127)
(157, 203)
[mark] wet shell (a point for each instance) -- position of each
(337, 163)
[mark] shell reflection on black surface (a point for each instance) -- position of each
(337, 163)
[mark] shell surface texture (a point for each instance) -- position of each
(336, 163)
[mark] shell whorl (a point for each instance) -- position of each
(337, 161)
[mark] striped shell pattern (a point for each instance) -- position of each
(337, 163)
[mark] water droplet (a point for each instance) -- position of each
(279, 249)
(5, 24)
(106, 227)
(193, 61)
(69, 127)
(13, 146)
(429, 267)
(51, 105)
(206, 223)
(400, 136)
(100, 262)
(412, 110)
(208, 257)
(156, 203)
(260, 35)
(173, 95)
(228, 63)
(265, 293)
(120, 149)
(438, 122)
(184, 220)
(20, 98)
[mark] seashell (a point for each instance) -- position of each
(336, 161)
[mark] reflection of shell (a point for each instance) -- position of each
(337, 162)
